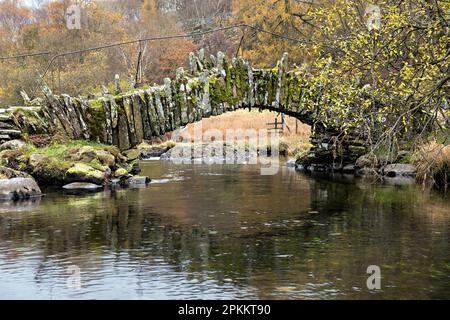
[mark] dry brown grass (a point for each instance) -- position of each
(433, 160)
(244, 119)
(292, 142)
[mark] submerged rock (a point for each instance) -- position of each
(82, 186)
(19, 189)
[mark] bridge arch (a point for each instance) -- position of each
(212, 86)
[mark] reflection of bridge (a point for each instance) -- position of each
(211, 87)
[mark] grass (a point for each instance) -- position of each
(432, 161)
(58, 150)
(292, 142)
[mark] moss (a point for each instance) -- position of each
(194, 100)
(61, 150)
(229, 81)
(218, 91)
(85, 172)
(96, 120)
(241, 80)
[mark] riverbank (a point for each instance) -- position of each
(428, 164)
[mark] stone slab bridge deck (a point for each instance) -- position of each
(212, 86)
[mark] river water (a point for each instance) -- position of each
(227, 232)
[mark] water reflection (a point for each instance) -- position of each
(215, 232)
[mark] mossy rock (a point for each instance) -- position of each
(106, 158)
(51, 172)
(132, 154)
(82, 172)
(122, 173)
(85, 154)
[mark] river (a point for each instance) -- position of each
(227, 232)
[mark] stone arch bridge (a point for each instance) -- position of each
(212, 86)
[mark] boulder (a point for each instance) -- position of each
(37, 159)
(86, 154)
(85, 173)
(317, 168)
(121, 173)
(13, 145)
(115, 182)
(106, 158)
(132, 154)
(82, 186)
(7, 173)
(400, 170)
(19, 189)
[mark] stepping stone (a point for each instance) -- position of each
(19, 189)
(81, 186)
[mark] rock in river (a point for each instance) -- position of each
(19, 189)
(82, 186)
(86, 173)
(400, 170)
(291, 163)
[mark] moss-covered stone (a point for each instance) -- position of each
(83, 172)
(96, 121)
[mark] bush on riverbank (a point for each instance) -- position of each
(433, 164)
